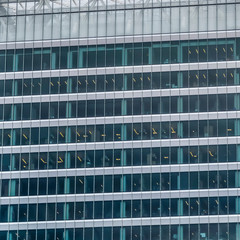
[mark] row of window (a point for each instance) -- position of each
(119, 82)
(153, 232)
(128, 54)
(119, 157)
(120, 132)
(120, 183)
(119, 107)
(119, 209)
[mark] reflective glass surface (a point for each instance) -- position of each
(120, 157)
(119, 132)
(118, 55)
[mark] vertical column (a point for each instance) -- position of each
(67, 185)
(237, 203)
(15, 82)
(178, 182)
(69, 109)
(123, 203)
(238, 153)
(237, 179)
(179, 129)
(236, 101)
(13, 162)
(53, 60)
(180, 104)
(149, 54)
(124, 107)
(10, 236)
(67, 236)
(123, 157)
(68, 160)
(14, 112)
(179, 80)
(180, 207)
(237, 127)
(13, 137)
(69, 58)
(123, 209)
(66, 211)
(122, 233)
(69, 136)
(123, 132)
(180, 155)
(236, 77)
(12, 187)
(11, 213)
(69, 85)
(180, 232)
(237, 231)
(125, 83)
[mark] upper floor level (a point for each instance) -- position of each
(31, 20)
(116, 55)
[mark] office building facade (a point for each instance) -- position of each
(119, 120)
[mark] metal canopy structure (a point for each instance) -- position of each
(60, 19)
(15, 7)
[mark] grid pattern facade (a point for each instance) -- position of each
(119, 120)
(57, 19)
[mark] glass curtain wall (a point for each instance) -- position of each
(30, 20)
